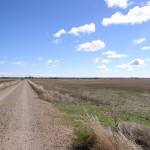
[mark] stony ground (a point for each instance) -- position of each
(28, 123)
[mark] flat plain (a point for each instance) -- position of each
(75, 114)
(111, 101)
(126, 93)
(6, 80)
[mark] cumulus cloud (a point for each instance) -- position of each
(137, 62)
(133, 64)
(140, 40)
(91, 46)
(117, 56)
(53, 63)
(113, 54)
(19, 63)
(40, 59)
(136, 15)
(102, 67)
(57, 41)
(50, 61)
(87, 28)
(145, 48)
(109, 53)
(97, 60)
(2, 62)
(117, 3)
(60, 33)
(147, 59)
(148, 3)
(106, 61)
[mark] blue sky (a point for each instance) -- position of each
(68, 38)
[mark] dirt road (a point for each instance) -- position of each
(28, 123)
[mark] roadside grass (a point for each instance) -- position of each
(8, 83)
(110, 108)
(106, 138)
(6, 80)
(107, 116)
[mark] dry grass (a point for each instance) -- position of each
(6, 80)
(104, 138)
(5, 85)
(125, 136)
(140, 134)
(51, 95)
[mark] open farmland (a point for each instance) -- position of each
(5, 83)
(110, 100)
(126, 93)
(131, 84)
(6, 80)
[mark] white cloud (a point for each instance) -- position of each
(97, 60)
(117, 3)
(133, 64)
(109, 53)
(117, 56)
(145, 48)
(60, 33)
(147, 59)
(137, 62)
(40, 59)
(113, 54)
(57, 41)
(87, 28)
(148, 3)
(102, 68)
(140, 40)
(136, 15)
(125, 66)
(50, 61)
(106, 61)
(2, 62)
(91, 46)
(19, 63)
(53, 63)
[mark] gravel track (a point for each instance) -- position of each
(28, 123)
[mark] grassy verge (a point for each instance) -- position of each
(7, 84)
(75, 114)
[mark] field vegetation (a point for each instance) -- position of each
(4, 83)
(5, 80)
(116, 110)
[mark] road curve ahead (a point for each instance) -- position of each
(28, 123)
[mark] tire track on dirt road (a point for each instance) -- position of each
(28, 123)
